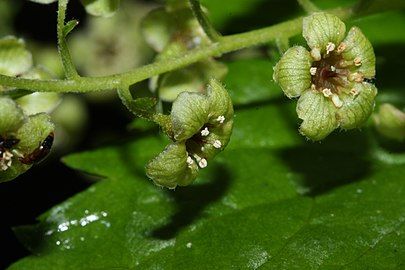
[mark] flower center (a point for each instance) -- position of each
(329, 73)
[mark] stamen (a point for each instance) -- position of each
(203, 163)
(354, 92)
(330, 47)
(217, 144)
(327, 92)
(221, 119)
(357, 77)
(6, 160)
(313, 87)
(205, 132)
(341, 47)
(312, 70)
(190, 161)
(336, 101)
(332, 68)
(316, 54)
(357, 61)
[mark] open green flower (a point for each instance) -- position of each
(202, 126)
(331, 78)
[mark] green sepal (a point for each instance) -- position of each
(357, 45)
(220, 103)
(11, 117)
(321, 28)
(357, 109)
(318, 115)
(14, 58)
(189, 114)
(17, 168)
(170, 167)
(292, 71)
(33, 132)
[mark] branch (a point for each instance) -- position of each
(308, 6)
(224, 45)
(204, 21)
(68, 66)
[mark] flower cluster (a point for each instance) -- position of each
(331, 80)
(202, 126)
(26, 134)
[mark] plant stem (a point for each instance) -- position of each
(204, 21)
(225, 45)
(308, 6)
(68, 66)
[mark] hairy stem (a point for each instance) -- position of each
(68, 66)
(308, 6)
(225, 45)
(204, 21)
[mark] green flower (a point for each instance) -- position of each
(330, 79)
(21, 139)
(202, 126)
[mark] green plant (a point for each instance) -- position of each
(271, 199)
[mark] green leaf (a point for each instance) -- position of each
(219, 11)
(104, 8)
(332, 231)
(382, 28)
(245, 208)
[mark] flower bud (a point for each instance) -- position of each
(390, 122)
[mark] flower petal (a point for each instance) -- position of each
(321, 28)
(318, 115)
(189, 114)
(292, 71)
(358, 46)
(170, 168)
(357, 109)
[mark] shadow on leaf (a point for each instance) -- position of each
(339, 160)
(192, 200)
